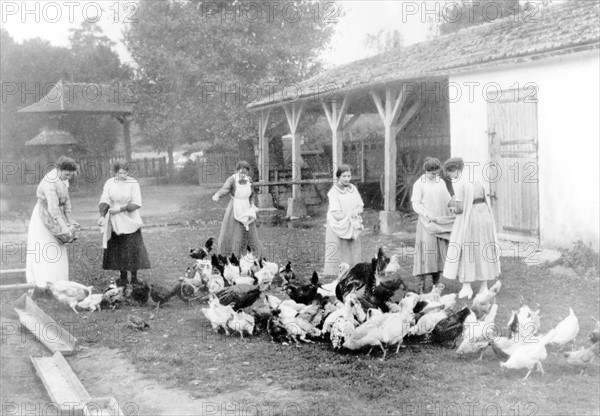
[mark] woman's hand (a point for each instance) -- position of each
(215, 197)
(101, 222)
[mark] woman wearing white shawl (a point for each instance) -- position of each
(121, 225)
(51, 227)
(344, 223)
(473, 252)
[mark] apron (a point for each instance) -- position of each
(242, 210)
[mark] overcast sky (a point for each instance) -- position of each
(51, 20)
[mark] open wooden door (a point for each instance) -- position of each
(513, 174)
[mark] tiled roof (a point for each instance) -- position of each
(52, 137)
(70, 97)
(554, 30)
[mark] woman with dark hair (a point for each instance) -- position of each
(121, 225)
(473, 252)
(238, 229)
(51, 227)
(430, 200)
(344, 223)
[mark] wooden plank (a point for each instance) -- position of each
(62, 385)
(44, 328)
(17, 286)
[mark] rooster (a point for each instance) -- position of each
(161, 295)
(302, 292)
(240, 296)
(367, 279)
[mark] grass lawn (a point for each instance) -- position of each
(181, 350)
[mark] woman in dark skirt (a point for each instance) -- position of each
(121, 224)
(238, 229)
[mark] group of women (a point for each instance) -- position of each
(455, 234)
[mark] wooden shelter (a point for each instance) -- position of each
(395, 84)
(53, 143)
(89, 98)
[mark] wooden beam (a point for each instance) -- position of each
(408, 115)
(351, 121)
(335, 116)
(378, 104)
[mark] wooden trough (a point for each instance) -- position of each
(43, 327)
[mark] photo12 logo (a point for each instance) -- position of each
(67, 11)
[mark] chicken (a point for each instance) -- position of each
(393, 266)
(287, 274)
(594, 336)
(287, 308)
(477, 335)
(369, 334)
(483, 302)
(69, 293)
(241, 322)
(276, 329)
(242, 280)
(450, 328)
(341, 323)
(161, 295)
(137, 323)
(265, 275)
(530, 355)
(298, 329)
(92, 302)
(524, 322)
(427, 323)
(231, 270)
(113, 296)
(329, 288)
(449, 301)
(204, 252)
(583, 357)
(140, 292)
(370, 283)
(435, 294)
(247, 262)
(396, 327)
(239, 296)
(302, 292)
(218, 315)
(566, 330)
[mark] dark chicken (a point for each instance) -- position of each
(202, 253)
(139, 292)
(239, 296)
(449, 329)
(302, 292)
(372, 288)
(287, 274)
(161, 295)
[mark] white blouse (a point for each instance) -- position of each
(118, 194)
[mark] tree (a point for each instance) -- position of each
(475, 12)
(384, 40)
(189, 54)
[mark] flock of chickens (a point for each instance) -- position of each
(353, 312)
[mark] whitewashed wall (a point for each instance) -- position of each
(568, 137)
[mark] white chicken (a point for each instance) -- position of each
(427, 323)
(215, 283)
(482, 303)
(530, 355)
(434, 295)
(298, 329)
(449, 301)
(342, 322)
(477, 335)
(397, 325)
(265, 275)
(231, 271)
(69, 293)
(218, 315)
(329, 288)
(241, 322)
(566, 330)
(92, 302)
(247, 262)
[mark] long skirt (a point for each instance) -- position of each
(126, 252)
(480, 256)
(338, 251)
(47, 259)
(235, 239)
(430, 252)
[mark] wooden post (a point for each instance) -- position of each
(390, 107)
(126, 138)
(335, 113)
(293, 112)
(264, 198)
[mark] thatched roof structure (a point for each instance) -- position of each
(552, 31)
(91, 98)
(52, 138)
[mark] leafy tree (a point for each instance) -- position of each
(190, 54)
